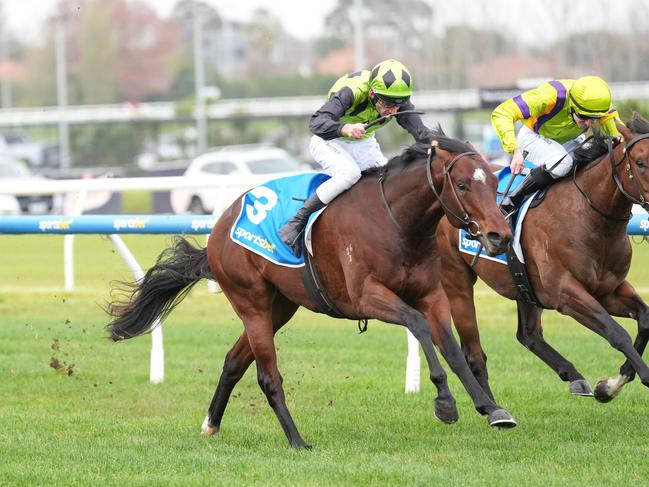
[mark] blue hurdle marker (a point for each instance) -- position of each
(107, 224)
(639, 225)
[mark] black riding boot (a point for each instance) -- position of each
(292, 229)
(538, 178)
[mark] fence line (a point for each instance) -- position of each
(174, 224)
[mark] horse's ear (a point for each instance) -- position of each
(626, 133)
(433, 147)
(470, 145)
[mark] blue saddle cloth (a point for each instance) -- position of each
(470, 246)
(265, 208)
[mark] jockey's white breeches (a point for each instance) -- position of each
(344, 160)
(541, 151)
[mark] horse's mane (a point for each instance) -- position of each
(597, 147)
(419, 150)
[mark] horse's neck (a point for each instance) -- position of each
(597, 182)
(412, 201)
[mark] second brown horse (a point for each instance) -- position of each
(577, 254)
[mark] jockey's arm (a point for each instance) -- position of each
(528, 104)
(607, 123)
(413, 124)
(326, 122)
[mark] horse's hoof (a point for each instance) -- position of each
(602, 393)
(500, 418)
(580, 387)
(300, 445)
(446, 412)
(208, 430)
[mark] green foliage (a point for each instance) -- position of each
(325, 45)
(627, 107)
(95, 419)
(106, 145)
(277, 86)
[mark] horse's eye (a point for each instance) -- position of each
(462, 186)
(640, 163)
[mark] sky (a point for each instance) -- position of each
(302, 18)
(530, 20)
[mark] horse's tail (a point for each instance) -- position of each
(163, 287)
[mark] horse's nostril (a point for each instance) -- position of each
(495, 238)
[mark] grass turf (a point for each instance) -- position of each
(96, 418)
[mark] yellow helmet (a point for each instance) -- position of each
(590, 97)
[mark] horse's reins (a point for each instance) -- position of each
(466, 219)
(627, 147)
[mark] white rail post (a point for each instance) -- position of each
(74, 206)
(156, 374)
(413, 364)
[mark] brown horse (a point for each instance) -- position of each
(577, 254)
(377, 255)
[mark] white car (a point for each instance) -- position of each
(16, 173)
(229, 172)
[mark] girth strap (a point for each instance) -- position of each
(316, 290)
(519, 275)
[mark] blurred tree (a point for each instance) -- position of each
(265, 33)
(117, 50)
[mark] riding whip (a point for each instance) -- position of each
(386, 117)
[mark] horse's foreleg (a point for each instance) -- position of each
(625, 302)
(458, 281)
(237, 361)
(530, 334)
(576, 302)
(436, 309)
(380, 303)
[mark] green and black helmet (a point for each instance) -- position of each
(391, 82)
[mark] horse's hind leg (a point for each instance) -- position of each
(530, 334)
(625, 302)
(237, 361)
(590, 313)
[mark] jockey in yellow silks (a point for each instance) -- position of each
(555, 117)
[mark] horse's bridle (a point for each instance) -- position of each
(472, 227)
(614, 164)
(642, 201)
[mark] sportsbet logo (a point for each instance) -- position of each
(468, 244)
(255, 239)
(644, 225)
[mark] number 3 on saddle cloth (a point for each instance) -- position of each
(469, 246)
(265, 208)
